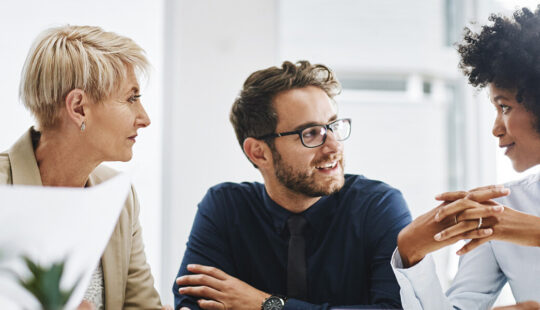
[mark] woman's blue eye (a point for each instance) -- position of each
(504, 108)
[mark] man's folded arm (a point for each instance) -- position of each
(302, 305)
(207, 246)
(387, 217)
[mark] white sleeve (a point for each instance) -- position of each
(477, 284)
(479, 279)
(420, 286)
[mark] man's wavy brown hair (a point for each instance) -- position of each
(253, 114)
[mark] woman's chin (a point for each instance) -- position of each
(125, 157)
(520, 166)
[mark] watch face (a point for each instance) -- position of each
(273, 303)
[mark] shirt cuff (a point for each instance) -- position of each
(297, 304)
(422, 272)
(420, 286)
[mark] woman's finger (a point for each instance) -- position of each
(473, 244)
(476, 213)
(456, 230)
(487, 194)
(451, 196)
(486, 187)
(477, 234)
(454, 208)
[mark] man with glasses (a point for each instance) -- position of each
(310, 237)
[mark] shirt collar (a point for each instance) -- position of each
(317, 215)
(278, 214)
(24, 166)
(320, 214)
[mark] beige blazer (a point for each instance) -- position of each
(128, 281)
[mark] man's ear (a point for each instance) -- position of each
(258, 152)
(75, 105)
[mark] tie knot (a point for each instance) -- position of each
(296, 224)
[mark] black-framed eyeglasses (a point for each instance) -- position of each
(315, 135)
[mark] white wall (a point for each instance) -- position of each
(399, 137)
(21, 21)
(211, 48)
(368, 35)
(203, 50)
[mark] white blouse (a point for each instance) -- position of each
(482, 272)
(95, 293)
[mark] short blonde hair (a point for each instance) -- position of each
(69, 57)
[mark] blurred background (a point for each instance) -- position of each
(417, 125)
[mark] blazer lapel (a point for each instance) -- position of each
(24, 168)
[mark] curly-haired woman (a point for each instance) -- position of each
(503, 57)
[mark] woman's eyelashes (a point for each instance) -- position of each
(504, 108)
(134, 98)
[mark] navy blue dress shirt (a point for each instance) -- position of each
(349, 241)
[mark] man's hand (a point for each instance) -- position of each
(219, 290)
(441, 226)
(527, 305)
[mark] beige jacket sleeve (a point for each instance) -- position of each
(140, 291)
(128, 281)
(5, 170)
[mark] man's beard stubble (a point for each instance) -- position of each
(303, 182)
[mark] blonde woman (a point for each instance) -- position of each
(80, 84)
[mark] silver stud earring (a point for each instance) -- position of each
(83, 126)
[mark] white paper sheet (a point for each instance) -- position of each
(51, 224)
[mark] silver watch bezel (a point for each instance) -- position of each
(266, 303)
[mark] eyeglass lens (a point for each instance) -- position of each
(315, 135)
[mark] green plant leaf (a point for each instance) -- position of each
(44, 284)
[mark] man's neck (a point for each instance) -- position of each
(288, 199)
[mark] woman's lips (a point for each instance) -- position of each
(508, 147)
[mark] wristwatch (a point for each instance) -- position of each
(274, 302)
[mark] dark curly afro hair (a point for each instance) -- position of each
(506, 53)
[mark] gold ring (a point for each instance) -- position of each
(455, 219)
(479, 223)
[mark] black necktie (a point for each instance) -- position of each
(296, 265)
